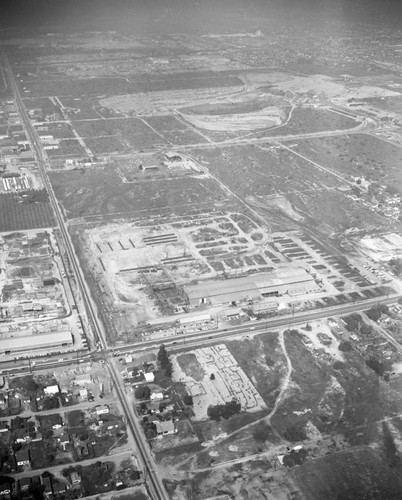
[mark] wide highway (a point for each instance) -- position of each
(154, 482)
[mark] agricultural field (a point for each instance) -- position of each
(357, 155)
(18, 213)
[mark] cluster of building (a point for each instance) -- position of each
(14, 143)
(172, 161)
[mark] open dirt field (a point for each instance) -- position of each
(101, 192)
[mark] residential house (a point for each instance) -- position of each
(64, 440)
(22, 458)
(102, 409)
(149, 377)
(58, 487)
(156, 396)
(4, 427)
(24, 483)
(51, 390)
(47, 485)
(83, 394)
(164, 428)
(22, 435)
(75, 478)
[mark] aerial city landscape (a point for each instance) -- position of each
(201, 252)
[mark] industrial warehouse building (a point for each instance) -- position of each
(289, 281)
(46, 342)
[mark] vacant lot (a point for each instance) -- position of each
(307, 120)
(253, 171)
(135, 84)
(174, 130)
(355, 475)
(132, 130)
(100, 191)
(356, 154)
(67, 147)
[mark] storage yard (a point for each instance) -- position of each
(208, 263)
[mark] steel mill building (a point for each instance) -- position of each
(289, 281)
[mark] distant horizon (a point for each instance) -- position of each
(169, 16)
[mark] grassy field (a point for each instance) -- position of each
(355, 475)
(307, 120)
(332, 211)
(67, 147)
(356, 154)
(100, 191)
(137, 133)
(133, 84)
(174, 130)
(251, 170)
(103, 145)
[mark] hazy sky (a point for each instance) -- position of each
(187, 15)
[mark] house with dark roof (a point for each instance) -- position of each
(22, 458)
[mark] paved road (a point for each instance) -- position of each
(156, 486)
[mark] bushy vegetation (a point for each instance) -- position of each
(262, 432)
(142, 392)
(345, 346)
(164, 361)
(295, 433)
(396, 266)
(225, 411)
(376, 365)
(375, 312)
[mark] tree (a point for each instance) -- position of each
(212, 377)
(225, 411)
(366, 329)
(390, 450)
(295, 433)
(164, 361)
(142, 392)
(376, 365)
(396, 265)
(188, 400)
(352, 322)
(374, 313)
(345, 346)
